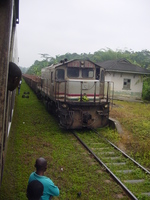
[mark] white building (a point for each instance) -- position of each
(127, 78)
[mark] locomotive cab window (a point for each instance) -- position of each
(73, 72)
(87, 73)
(60, 74)
(97, 73)
(52, 79)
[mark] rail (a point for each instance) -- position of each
(110, 166)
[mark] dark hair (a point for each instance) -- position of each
(14, 76)
(41, 164)
(34, 190)
(14, 70)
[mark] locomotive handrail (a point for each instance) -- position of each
(81, 91)
(94, 91)
(107, 90)
(57, 85)
(65, 91)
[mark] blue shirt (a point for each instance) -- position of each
(49, 188)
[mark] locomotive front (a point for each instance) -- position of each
(81, 95)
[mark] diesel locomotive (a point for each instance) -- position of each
(76, 92)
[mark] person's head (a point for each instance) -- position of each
(34, 190)
(14, 76)
(41, 164)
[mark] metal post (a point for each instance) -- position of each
(81, 91)
(107, 90)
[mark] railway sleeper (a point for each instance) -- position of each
(134, 181)
(125, 171)
(118, 163)
(114, 158)
(106, 152)
(146, 193)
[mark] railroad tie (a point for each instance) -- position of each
(118, 163)
(146, 193)
(134, 181)
(125, 171)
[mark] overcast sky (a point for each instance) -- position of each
(57, 27)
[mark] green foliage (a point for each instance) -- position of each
(146, 89)
(35, 69)
(139, 58)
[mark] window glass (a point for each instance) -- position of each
(102, 76)
(52, 79)
(87, 73)
(60, 75)
(97, 73)
(73, 72)
(126, 84)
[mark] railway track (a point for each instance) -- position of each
(130, 175)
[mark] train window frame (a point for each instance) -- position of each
(87, 70)
(126, 84)
(70, 73)
(60, 76)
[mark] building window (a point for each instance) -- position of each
(126, 84)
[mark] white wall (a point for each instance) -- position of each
(136, 85)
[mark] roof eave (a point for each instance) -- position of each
(131, 72)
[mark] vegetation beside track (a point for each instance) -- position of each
(35, 133)
(135, 121)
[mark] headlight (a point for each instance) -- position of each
(106, 106)
(64, 105)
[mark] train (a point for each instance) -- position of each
(75, 91)
(9, 15)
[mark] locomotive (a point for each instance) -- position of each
(76, 92)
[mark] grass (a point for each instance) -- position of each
(35, 133)
(135, 120)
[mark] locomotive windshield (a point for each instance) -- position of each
(87, 73)
(73, 72)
